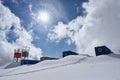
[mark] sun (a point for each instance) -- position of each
(44, 16)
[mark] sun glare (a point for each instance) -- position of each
(43, 16)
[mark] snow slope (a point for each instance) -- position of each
(105, 67)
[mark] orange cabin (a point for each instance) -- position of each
(17, 55)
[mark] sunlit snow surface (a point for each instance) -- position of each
(105, 67)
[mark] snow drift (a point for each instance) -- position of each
(104, 67)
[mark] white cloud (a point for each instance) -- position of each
(62, 30)
(6, 52)
(9, 20)
(59, 32)
(99, 27)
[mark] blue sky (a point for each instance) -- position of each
(65, 11)
(50, 27)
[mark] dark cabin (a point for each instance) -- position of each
(67, 53)
(47, 58)
(102, 50)
(29, 62)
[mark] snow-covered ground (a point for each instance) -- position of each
(78, 67)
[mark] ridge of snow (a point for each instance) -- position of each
(104, 67)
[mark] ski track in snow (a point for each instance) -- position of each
(5, 74)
